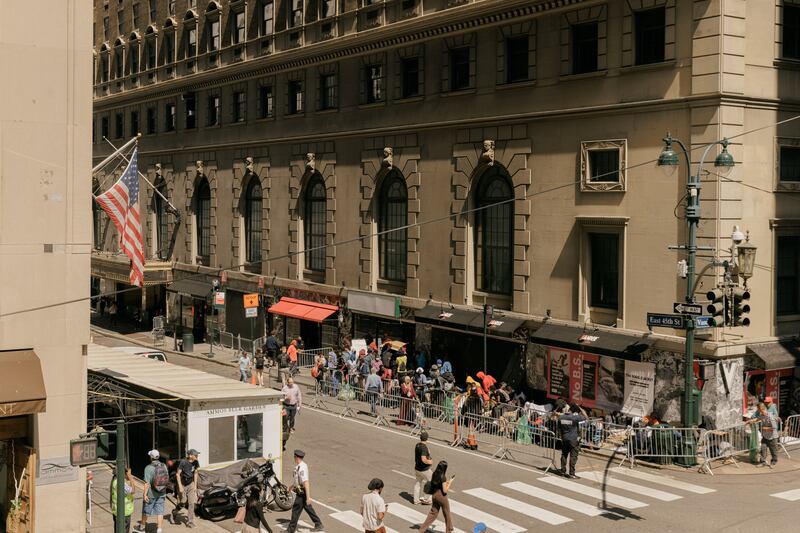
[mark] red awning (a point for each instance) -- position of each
(303, 309)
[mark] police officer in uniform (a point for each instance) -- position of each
(302, 490)
(570, 445)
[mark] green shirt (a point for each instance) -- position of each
(128, 498)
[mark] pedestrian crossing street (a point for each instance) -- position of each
(516, 506)
(788, 495)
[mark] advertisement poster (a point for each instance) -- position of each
(640, 381)
(759, 384)
(558, 373)
(601, 382)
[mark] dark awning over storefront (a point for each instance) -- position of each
(303, 309)
(600, 342)
(466, 319)
(777, 355)
(191, 287)
(22, 389)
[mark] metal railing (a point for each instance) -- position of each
(660, 445)
(724, 445)
(790, 434)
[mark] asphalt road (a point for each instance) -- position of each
(343, 455)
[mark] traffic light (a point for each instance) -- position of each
(717, 308)
(741, 307)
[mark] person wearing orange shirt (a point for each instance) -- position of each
(292, 351)
(487, 380)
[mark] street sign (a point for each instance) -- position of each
(665, 321)
(83, 451)
(687, 309)
(702, 322)
(251, 312)
(250, 300)
(219, 299)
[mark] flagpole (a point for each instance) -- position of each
(119, 151)
(114, 154)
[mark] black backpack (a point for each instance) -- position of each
(160, 477)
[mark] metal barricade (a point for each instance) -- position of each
(528, 440)
(661, 445)
(305, 358)
(597, 434)
(790, 435)
(725, 444)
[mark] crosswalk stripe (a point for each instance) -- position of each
(791, 495)
(556, 499)
(476, 515)
(599, 477)
(662, 480)
(519, 506)
(353, 519)
(615, 499)
(415, 517)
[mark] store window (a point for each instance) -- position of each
(249, 436)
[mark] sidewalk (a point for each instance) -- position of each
(102, 521)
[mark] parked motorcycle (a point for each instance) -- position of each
(221, 501)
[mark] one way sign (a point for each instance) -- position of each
(687, 309)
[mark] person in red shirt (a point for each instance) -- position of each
(292, 351)
(487, 381)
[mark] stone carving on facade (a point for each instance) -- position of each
(311, 162)
(158, 170)
(388, 158)
(199, 167)
(249, 165)
(487, 157)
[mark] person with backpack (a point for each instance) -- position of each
(156, 480)
(186, 480)
(283, 365)
(259, 361)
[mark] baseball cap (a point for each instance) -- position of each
(480, 527)
(192, 452)
(154, 454)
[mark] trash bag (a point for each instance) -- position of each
(346, 393)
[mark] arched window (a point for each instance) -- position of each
(162, 222)
(202, 213)
(314, 221)
(393, 214)
(252, 222)
(494, 252)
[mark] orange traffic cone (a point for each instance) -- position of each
(472, 442)
(252, 378)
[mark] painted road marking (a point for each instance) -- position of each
(415, 517)
(557, 499)
(790, 495)
(663, 480)
(476, 515)
(598, 477)
(608, 497)
(354, 520)
(519, 506)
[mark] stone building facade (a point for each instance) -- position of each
(525, 133)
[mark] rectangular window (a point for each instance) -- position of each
(105, 28)
(327, 8)
(789, 163)
(213, 36)
(150, 54)
(151, 120)
(191, 42)
(788, 275)
(409, 71)
(584, 48)
(104, 127)
(169, 47)
(791, 31)
(295, 97)
(134, 123)
(121, 22)
(459, 69)
(136, 19)
(118, 126)
(213, 111)
(152, 11)
(650, 28)
(296, 16)
(118, 63)
(604, 165)
(517, 59)
(169, 117)
(190, 101)
(133, 58)
(239, 106)
(220, 439)
(604, 257)
(238, 30)
(266, 102)
(103, 67)
(374, 81)
(267, 16)
(327, 88)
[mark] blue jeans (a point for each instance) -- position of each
(243, 375)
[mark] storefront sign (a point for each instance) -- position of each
(56, 470)
(600, 381)
(250, 300)
(251, 312)
(373, 304)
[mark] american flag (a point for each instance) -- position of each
(121, 203)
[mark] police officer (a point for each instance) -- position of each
(302, 490)
(570, 445)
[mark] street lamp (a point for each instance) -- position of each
(724, 162)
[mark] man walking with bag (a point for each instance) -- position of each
(302, 490)
(422, 468)
(156, 479)
(186, 478)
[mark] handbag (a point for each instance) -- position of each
(239, 518)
